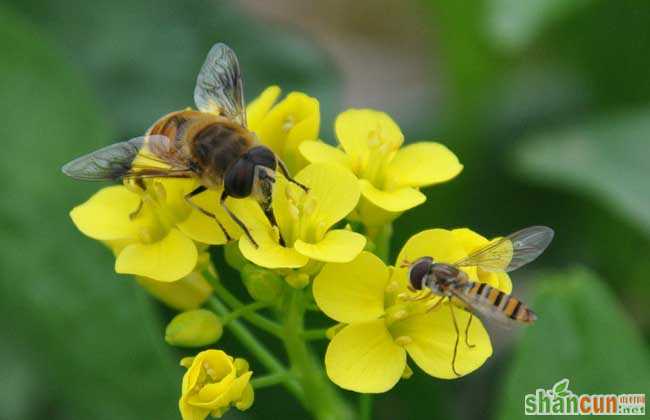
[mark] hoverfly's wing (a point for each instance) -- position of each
(483, 309)
(146, 157)
(510, 252)
(219, 86)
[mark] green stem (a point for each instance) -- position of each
(270, 380)
(315, 334)
(320, 396)
(381, 236)
(365, 406)
(231, 300)
(244, 310)
(255, 347)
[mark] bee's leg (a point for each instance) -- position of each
(285, 172)
(453, 317)
(188, 198)
(469, 322)
(135, 212)
(237, 220)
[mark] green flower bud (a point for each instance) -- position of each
(196, 328)
(263, 285)
(233, 256)
(297, 280)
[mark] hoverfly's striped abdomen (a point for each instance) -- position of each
(503, 303)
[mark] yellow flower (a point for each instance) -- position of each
(213, 383)
(389, 175)
(283, 126)
(369, 354)
(304, 220)
(185, 294)
(152, 232)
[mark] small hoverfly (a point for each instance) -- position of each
(448, 281)
(211, 145)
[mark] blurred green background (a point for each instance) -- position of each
(546, 102)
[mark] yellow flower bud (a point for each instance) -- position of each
(196, 328)
(213, 383)
(187, 293)
(262, 284)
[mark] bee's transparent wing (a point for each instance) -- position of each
(510, 252)
(146, 156)
(219, 86)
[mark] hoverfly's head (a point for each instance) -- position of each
(418, 272)
(444, 274)
(253, 173)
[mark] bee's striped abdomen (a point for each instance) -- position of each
(501, 302)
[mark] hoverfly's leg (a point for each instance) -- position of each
(135, 212)
(442, 298)
(453, 359)
(285, 172)
(469, 322)
(188, 199)
(419, 295)
(237, 220)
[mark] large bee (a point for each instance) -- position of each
(446, 280)
(211, 145)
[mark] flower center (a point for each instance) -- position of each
(156, 213)
(401, 306)
(379, 153)
(302, 208)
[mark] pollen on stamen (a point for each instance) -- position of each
(403, 340)
(289, 122)
(392, 287)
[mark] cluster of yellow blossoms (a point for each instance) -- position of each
(321, 245)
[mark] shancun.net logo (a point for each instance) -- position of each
(559, 400)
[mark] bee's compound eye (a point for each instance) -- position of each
(262, 156)
(418, 271)
(238, 181)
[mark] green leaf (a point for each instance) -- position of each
(81, 342)
(606, 158)
(583, 335)
(514, 24)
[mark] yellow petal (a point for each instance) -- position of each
(364, 358)
(105, 216)
(421, 164)
(246, 399)
(205, 229)
(169, 259)
(356, 129)
(432, 342)
(269, 253)
(260, 106)
(472, 241)
(187, 293)
(440, 244)
(354, 291)
(189, 412)
(397, 200)
(318, 151)
(337, 246)
(333, 189)
(297, 112)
